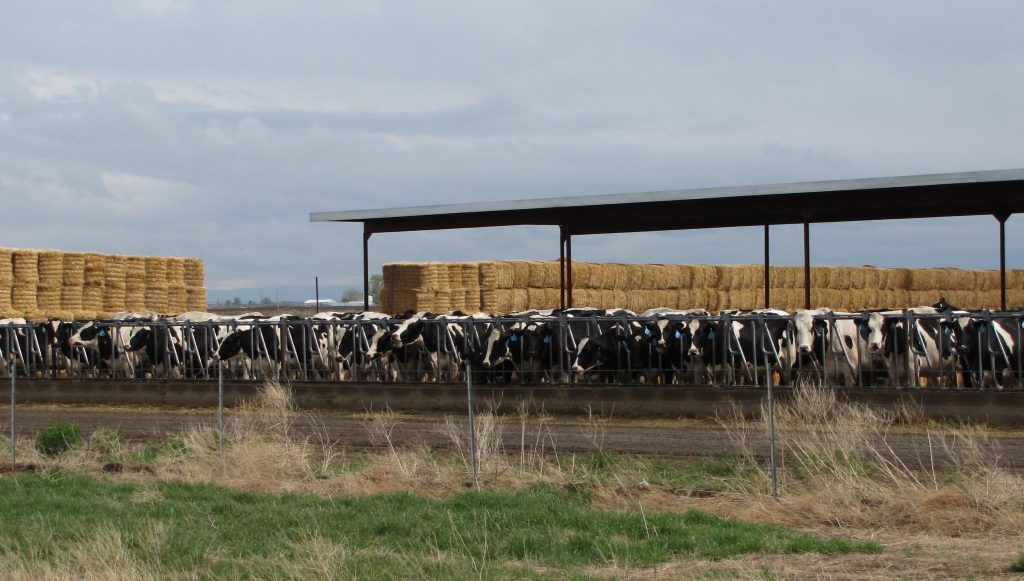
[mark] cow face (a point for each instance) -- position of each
(809, 330)
(876, 332)
(702, 336)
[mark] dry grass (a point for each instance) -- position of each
(838, 466)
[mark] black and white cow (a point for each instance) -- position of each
(743, 342)
(990, 350)
(919, 345)
(836, 341)
(110, 340)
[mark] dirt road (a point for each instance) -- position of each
(680, 438)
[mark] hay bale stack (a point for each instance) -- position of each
(135, 283)
(156, 284)
(25, 266)
(504, 274)
(177, 291)
(520, 274)
(73, 285)
(6, 282)
(488, 283)
(195, 281)
(95, 279)
(51, 280)
(115, 283)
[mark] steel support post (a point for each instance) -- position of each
(366, 268)
(807, 264)
(568, 270)
(561, 266)
(472, 421)
(1002, 260)
(767, 272)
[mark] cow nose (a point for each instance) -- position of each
(805, 349)
(485, 364)
(577, 369)
(873, 347)
(693, 352)
(661, 343)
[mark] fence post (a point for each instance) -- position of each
(14, 401)
(771, 428)
(472, 422)
(220, 401)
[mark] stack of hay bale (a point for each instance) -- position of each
(135, 284)
(38, 285)
(515, 285)
(73, 289)
(115, 289)
(6, 282)
(95, 283)
(195, 285)
(26, 281)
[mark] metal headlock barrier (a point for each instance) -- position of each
(952, 350)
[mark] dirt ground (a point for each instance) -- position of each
(683, 438)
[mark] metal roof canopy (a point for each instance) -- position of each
(996, 192)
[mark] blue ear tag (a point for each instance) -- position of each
(647, 331)
(512, 338)
(103, 333)
(547, 340)
(711, 334)
(679, 334)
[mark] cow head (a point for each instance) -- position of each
(809, 329)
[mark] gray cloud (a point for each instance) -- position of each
(213, 129)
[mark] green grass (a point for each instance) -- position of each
(1018, 565)
(214, 532)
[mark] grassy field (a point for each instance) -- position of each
(261, 501)
(75, 525)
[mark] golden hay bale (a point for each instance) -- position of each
(177, 299)
(23, 296)
(724, 276)
(51, 267)
(898, 278)
(680, 276)
(135, 298)
(710, 275)
(135, 270)
(194, 272)
(819, 277)
(752, 275)
(986, 280)
(1015, 299)
(839, 278)
(95, 269)
(615, 299)
(470, 275)
(520, 274)
(71, 297)
(487, 275)
(176, 271)
(26, 267)
(684, 299)
(1015, 279)
(520, 299)
(73, 267)
(505, 276)
(502, 302)
(113, 299)
(920, 279)
(116, 273)
(92, 298)
(6, 267)
(858, 277)
(453, 272)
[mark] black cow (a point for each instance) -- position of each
(990, 351)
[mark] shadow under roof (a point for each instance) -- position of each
(995, 192)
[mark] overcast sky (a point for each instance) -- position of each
(213, 129)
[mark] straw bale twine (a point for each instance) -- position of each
(26, 267)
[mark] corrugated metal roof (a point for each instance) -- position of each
(932, 195)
